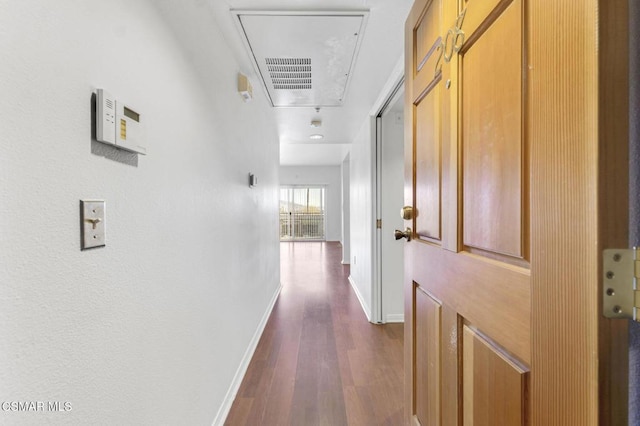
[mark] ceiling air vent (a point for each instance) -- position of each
(289, 73)
(285, 45)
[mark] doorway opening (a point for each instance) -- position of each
(302, 213)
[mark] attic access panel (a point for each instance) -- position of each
(304, 59)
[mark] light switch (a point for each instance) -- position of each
(92, 224)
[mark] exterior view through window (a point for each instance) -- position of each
(302, 213)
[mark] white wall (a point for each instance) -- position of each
(328, 176)
(152, 328)
(346, 215)
(361, 212)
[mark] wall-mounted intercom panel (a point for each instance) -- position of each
(118, 124)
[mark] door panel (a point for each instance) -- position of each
(480, 13)
(426, 36)
(427, 384)
(428, 158)
(492, 151)
(494, 388)
(514, 160)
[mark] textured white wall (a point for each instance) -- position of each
(152, 328)
(329, 176)
(361, 212)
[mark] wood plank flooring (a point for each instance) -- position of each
(319, 361)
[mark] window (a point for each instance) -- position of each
(302, 213)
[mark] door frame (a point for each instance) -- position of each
(379, 259)
(391, 88)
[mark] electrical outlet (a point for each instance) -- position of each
(92, 226)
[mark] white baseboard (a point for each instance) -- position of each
(365, 307)
(223, 412)
(394, 318)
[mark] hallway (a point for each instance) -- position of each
(319, 361)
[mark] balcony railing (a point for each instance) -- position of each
(301, 226)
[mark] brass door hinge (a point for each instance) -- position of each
(379, 223)
(620, 268)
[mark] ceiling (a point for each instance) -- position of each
(366, 46)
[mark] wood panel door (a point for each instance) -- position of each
(516, 169)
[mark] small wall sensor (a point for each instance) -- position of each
(253, 181)
(244, 87)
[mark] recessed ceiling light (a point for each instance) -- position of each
(316, 136)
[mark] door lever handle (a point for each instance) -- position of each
(403, 234)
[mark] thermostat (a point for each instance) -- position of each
(118, 124)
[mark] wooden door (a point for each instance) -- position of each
(516, 169)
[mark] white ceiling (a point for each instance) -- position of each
(380, 51)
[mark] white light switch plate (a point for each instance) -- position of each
(92, 223)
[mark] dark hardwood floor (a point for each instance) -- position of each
(319, 361)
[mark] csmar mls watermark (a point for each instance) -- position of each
(35, 406)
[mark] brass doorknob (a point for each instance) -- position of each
(400, 234)
(407, 213)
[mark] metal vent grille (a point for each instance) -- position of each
(290, 73)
